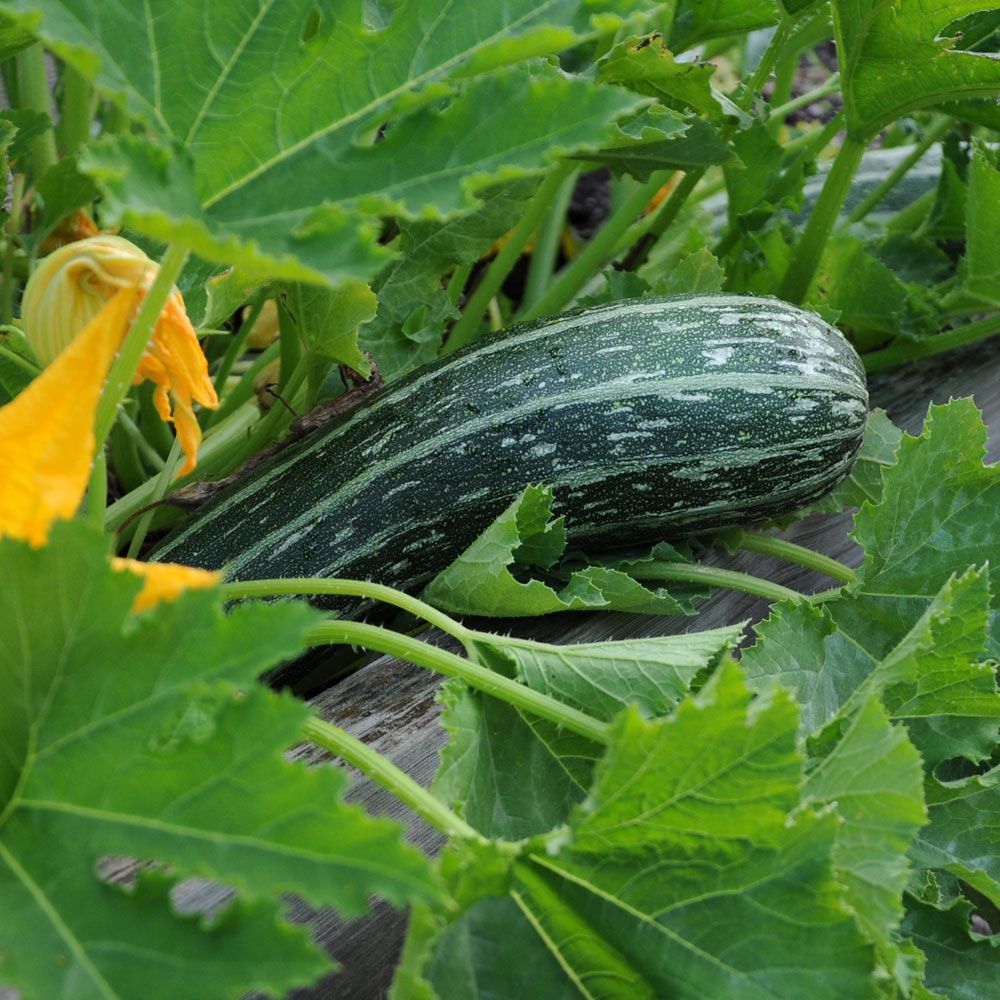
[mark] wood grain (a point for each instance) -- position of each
(391, 704)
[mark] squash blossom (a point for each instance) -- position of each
(70, 287)
(47, 446)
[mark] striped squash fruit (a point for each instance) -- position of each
(651, 418)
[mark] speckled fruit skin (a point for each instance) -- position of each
(651, 418)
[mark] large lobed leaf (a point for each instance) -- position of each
(879, 86)
(691, 870)
(269, 117)
(148, 737)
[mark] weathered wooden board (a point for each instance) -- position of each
(391, 706)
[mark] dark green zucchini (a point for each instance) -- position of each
(651, 418)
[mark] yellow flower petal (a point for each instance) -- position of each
(47, 432)
(175, 362)
(164, 581)
(69, 287)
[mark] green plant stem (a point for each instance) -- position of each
(148, 452)
(752, 541)
(277, 419)
(215, 458)
(799, 277)
(449, 665)
(664, 218)
(782, 111)
(933, 134)
(775, 47)
(236, 347)
(97, 490)
(13, 225)
(129, 470)
(242, 589)
(713, 576)
(543, 257)
(381, 770)
(125, 364)
(598, 251)
(77, 110)
(889, 357)
(468, 324)
(162, 485)
(824, 595)
(241, 393)
(34, 87)
(457, 282)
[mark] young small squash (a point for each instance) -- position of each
(651, 418)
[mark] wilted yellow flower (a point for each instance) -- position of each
(47, 431)
(164, 581)
(47, 447)
(69, 288)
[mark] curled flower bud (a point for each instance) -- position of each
(69, 288)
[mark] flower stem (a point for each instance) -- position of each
(125, 364)
(933, 134)
(713, 576)
(752, 541)
(599, 250)
(449, 665)
(889, 357)
(799, 277)
(34, 94)
(383, 771)
(241, 589)
(467, 325)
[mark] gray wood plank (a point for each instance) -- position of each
(391, 705)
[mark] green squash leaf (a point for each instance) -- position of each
(692, 869)
(485, 579)
(147, 736)
(879, 86)
(344, 112)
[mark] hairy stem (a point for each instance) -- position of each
(468, 324)
(762, 72)
(712, 576)
(782, 111)
(543, 257)
(77, 111)
(898, 354)
(34, 87)
(214, 458)
(936, 132)
(752, 541)
(162, 485)
(125, 364)
(241, 589)
(380, 769)
(799, 277)
(449, 665)
(13, 224)
(597, 252)
(664, 218)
